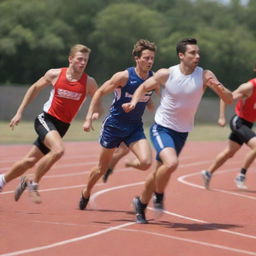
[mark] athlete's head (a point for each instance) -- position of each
(144, 54)
(78, 57)
(182, 45)
(142, 45)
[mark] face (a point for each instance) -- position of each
(191, 56)
(146, 60)
(79, 61)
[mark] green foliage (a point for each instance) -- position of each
(36, 35)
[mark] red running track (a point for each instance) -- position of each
(219, 221)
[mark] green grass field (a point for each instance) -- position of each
(24, 133)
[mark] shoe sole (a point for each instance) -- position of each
(20, 189)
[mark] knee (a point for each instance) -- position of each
(57, 153)
(171, 166)
(29, 162)
(145, 164)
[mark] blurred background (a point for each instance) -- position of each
(36, 35)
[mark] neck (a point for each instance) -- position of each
(141, 73)
(73, 75)
(185, 70)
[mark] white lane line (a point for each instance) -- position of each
(93, 197)
(192, 241)
(68, 241)
(183, 180)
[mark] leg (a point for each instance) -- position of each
(118, 154)
(54, 142)
(220, 159)
(142, 151)
(241, 177)
(95, 175)
(21, 166)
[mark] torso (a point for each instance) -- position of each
(124, 95)
(66, 97)
(246, 108)
(180, 99)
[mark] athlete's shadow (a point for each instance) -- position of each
(196, 226)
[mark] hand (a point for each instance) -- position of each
(222, 121)
(15, 121)
(87, 126)
(127, 107)
(95, 116)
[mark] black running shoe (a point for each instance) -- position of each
(140, 212)
(106, 175)
(21, 188)
(83, 202)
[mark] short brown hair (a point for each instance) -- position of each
(182, 45)
(142, 45)
(79, 48)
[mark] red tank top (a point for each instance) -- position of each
(66, 97)
(246, 109)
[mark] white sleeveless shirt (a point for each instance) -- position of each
(180, 98)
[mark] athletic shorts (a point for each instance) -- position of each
(115, 131)
(241, 130)
(45, 123)
(162, 137)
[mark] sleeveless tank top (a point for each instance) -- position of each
(66, 97)
(180, 99)
(124, 94)
(246, 108)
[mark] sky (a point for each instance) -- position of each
(227, 1)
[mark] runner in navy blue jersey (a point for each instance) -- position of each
(119, 126)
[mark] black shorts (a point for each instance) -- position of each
(241, 130)
(45, 123)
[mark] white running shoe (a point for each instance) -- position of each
(240, 181)
(2, 183)
(33, 192)
(206, 178)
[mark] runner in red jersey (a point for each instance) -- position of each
(241, 132)
(70, 88)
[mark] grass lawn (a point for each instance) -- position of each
(24, 133)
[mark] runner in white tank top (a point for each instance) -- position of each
(179, 99)
(182, 88)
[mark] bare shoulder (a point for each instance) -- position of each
(120, 78)
(162, 75)
(52, 74)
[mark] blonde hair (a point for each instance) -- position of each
(79, 48)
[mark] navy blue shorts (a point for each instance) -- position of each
(241, 130)
(115, 131)
(162, 137)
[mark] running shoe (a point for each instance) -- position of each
(2, 183)
(206, 178)
(106, 175)
(20, 188)
(83, 202)
(158, 206)
(140, 212)
(240, 181)
(33, 192)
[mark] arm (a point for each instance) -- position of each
(117, 80)
(32, 93)
(211, 81)
(243, 91)
(91, 89)
(153, 83)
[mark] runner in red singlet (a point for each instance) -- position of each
(241, 132)
(70, 87)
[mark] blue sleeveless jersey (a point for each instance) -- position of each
(124, 94)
